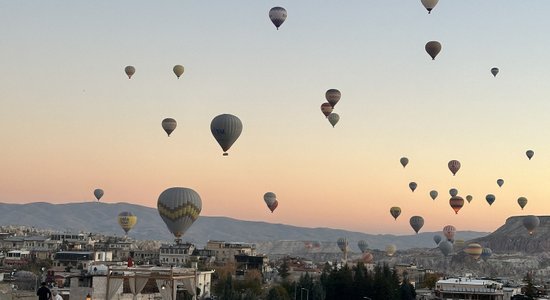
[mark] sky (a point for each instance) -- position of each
(71, 121)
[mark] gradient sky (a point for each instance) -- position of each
(71, 121)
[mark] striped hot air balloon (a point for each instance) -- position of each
(226, 129)
(474, 250)
(278, 16)
(333, 96)
(449, 232)
(456, 203)
(454, 166)
(179, 207)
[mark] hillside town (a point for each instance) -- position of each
(94, 266)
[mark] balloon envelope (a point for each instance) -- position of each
(469, 198)
(178, 70)
(368, 258)
(486, 253)
(490, 198)
(326, 109)
(500, 182)
(429, 4)
(449, 232)
(271, 200)
(333, 96)
(278, 16)
(416, 223)
(98, 193)
(226, 129)
(494, 71)
(127, 221)
(522, 201)
(130, 70)
(433, 194)
(333, 119)
(456, 203)
(404, 161)
(454, 166)
(179, 207)
(474, 250)
(453, 192)
(342, 244)
(445, 247)
(433, 48)
(531, 223)
(169, 125)
(530, 154)
(390, 249)
(437, 239)
(395, 212)
(363, 246)
(412, 186)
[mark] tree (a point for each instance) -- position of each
(430, 280)
(277, 293)
(529, 289)
(284, 270)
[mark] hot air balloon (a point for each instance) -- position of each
(469, 198)
(178, 70)
(395, 212)
(474, 250)
(179, 207)
(363, 246)
(486, 253)
(500, 182)
(449, 232)
(454, 166)
(226, 129)
(494, 71)
(437, 239)
(129, 70)
(333, 119)
(522, 201)
(433, 194)
(404, 161)
(530, 154)
(169, 125)
(126, 220)
(531, 223)
(445, 247)
(277, 16)
(456, 203)
(368, 258)
(416, 223)
(326, 109)
(459, 243)
(390, 249)
(429, 4)
(98, 193)
(490, 199)
(342, 244)
(433, 48)
(453, 192)
(271, 200)
(412, 186)
(333, 96)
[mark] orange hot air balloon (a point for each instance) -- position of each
(456, 203)
(368, 258)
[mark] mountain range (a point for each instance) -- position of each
(97, 217)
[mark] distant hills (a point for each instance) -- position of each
(513, 237)
(102, 218)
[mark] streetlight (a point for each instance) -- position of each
(301, 293)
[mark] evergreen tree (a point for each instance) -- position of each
(284, 270)
(277, 293)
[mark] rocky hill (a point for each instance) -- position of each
(513, 237)
(100, 217)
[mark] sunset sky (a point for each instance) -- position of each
(71, 121)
